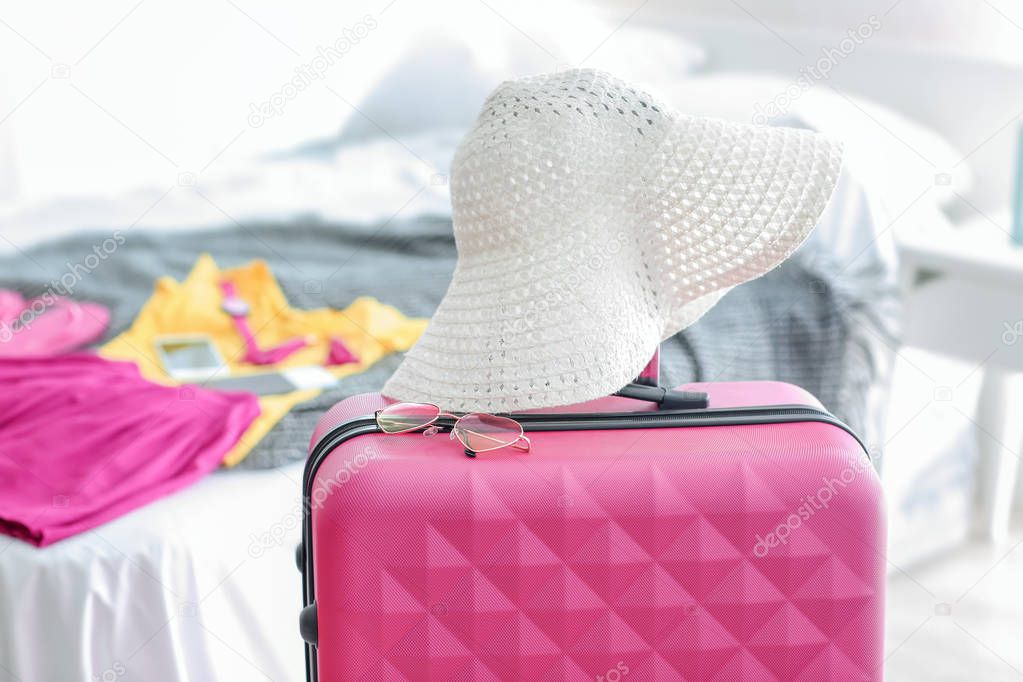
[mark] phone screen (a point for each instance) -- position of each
(185, 355)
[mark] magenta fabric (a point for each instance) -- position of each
(753, 552)
(43, 328)
(339, 353)
(84, 440)
(255, 355)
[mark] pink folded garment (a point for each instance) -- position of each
(47, 326)
(84, 439)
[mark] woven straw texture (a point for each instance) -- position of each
(591, 223)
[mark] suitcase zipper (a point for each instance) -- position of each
(574, 421)
(554, 421)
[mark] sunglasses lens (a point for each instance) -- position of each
(482, 432)
(402, 417)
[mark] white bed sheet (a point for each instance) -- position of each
(200, 585)
(372, 180)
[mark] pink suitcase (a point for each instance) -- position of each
(744, 541)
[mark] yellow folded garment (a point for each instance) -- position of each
(369, 328)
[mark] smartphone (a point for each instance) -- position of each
(189, 357)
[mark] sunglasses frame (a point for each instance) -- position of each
(522, 443)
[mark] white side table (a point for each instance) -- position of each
(964, 298)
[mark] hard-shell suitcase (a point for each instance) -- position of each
(744, 541)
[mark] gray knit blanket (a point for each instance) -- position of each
(802, 323)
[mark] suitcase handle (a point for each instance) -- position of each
(666, 399)
(651, 374)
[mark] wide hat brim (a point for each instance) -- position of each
(550, 317)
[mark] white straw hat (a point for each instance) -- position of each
(592, 222)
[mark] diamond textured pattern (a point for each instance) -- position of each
(646, 551)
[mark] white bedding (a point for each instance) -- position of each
(368, 181)
(200, 585)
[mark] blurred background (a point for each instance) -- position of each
(155, 117)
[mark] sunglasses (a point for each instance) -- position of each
(477, 432)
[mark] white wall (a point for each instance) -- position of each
(956, 65)
(105, 96)
(990, 30)
(98, 98)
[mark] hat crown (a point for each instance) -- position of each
(545, 160)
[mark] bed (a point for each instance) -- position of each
(202, 585)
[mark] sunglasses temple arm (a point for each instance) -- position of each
(483, 435)
(522, 444)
